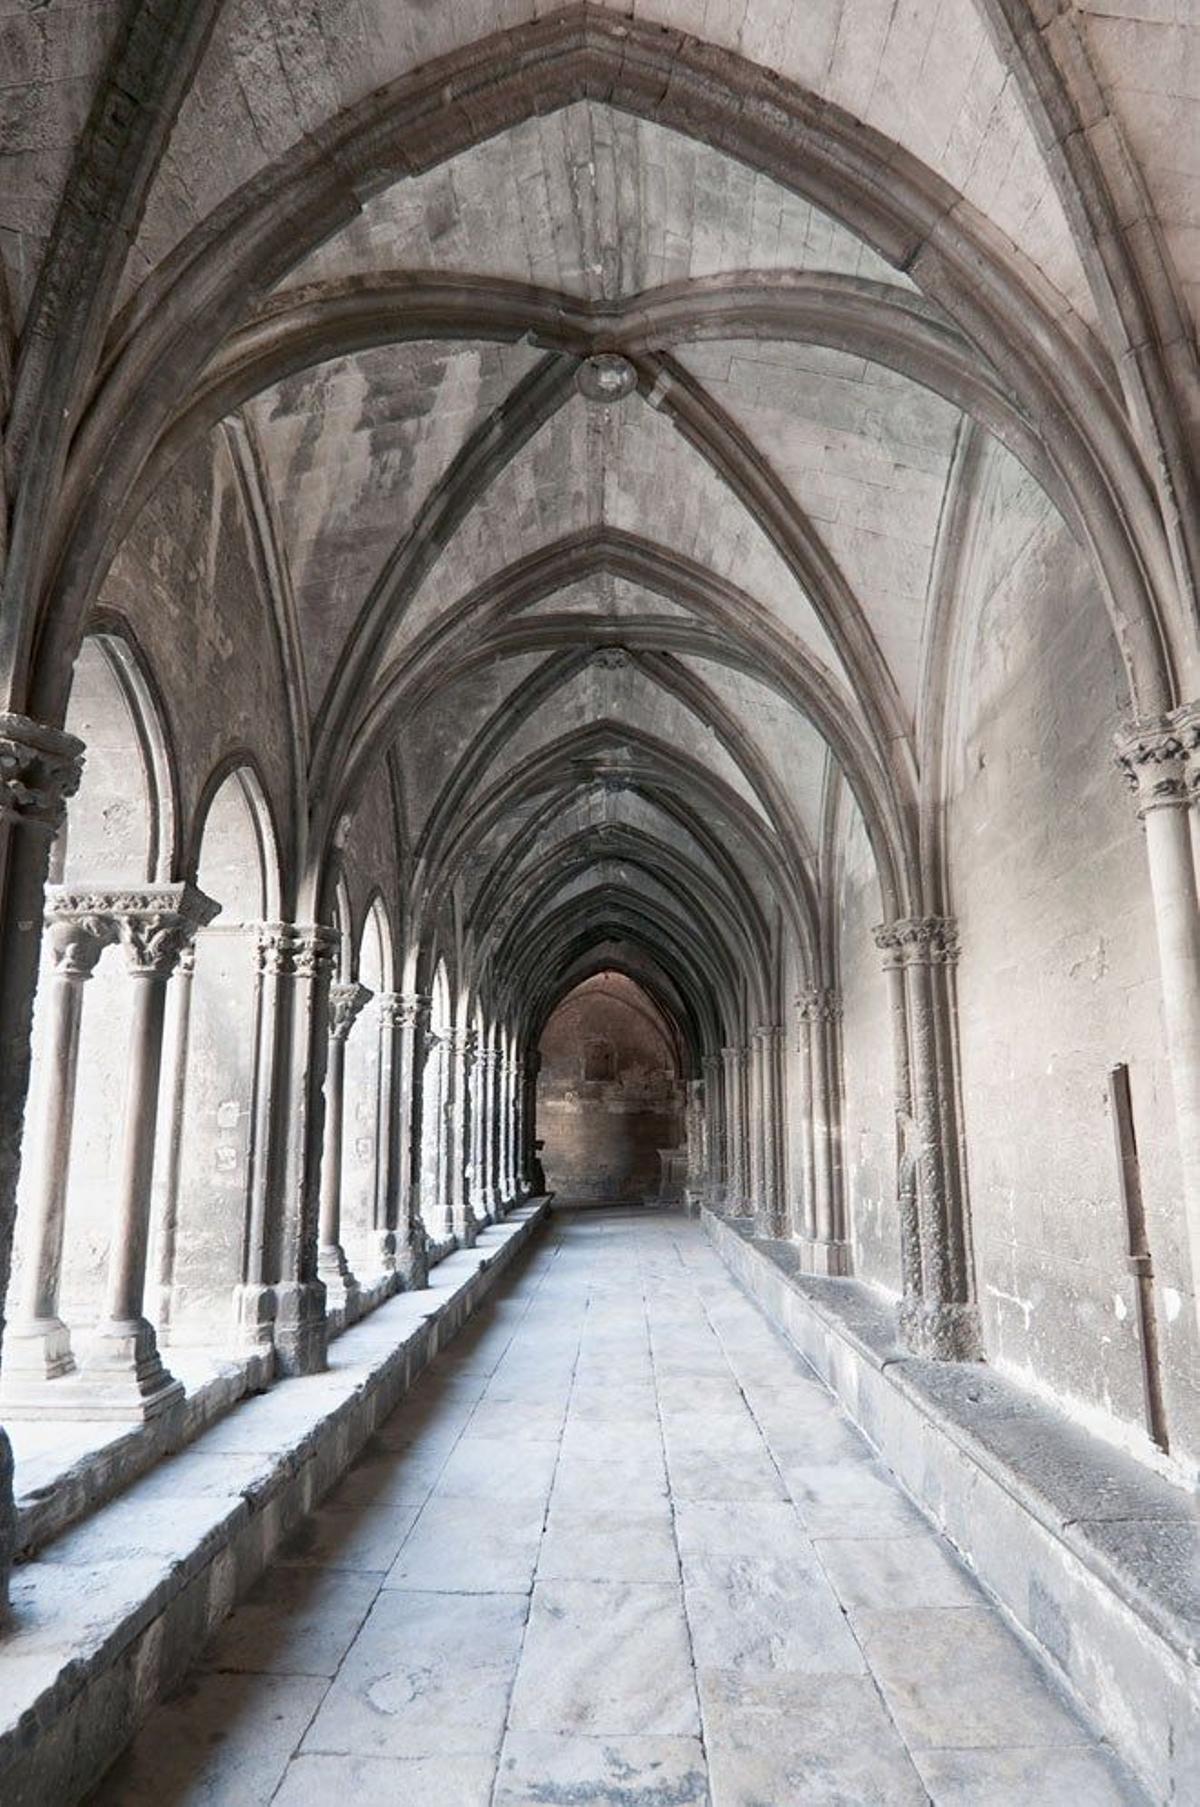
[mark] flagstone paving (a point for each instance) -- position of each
(619, 1546)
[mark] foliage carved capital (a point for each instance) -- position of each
(40, 768)
(1159, 758)
(918, 941)
(345, 1004)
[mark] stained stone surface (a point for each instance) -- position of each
(607, 1605)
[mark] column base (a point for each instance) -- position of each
(412, 1261)
(831, 1259)
(466, 1232)
(254, 1318)
(300, 1328)
(39, 1349)
(380, 1254)
(122, 1380)
(941, 1331)
(341, 1286)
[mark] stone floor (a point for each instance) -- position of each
(618, 1547)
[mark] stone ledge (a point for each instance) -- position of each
(65, 1470)
(1095, 1558)
(112, 1613)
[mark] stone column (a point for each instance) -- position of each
(506, 1126)
(697, 1160)
(165, 1216)
(479, 1189)
(736, 1174)
(768, 1041)
(821, 1009)
(124, 1374)
(531, 1066)
(254, 1298)
(911, 1280)
(307, 952)
(341, 1287)
(520, 1127)
(807, 1228)
(1160, 759)
(388, 1138)
(39, 770)
(491, 1134)
(37, 1344)
(714, 1135)
(460, 1219)
(412, 1249)
(943, 1321)
(755, 1126)
(511, 1125)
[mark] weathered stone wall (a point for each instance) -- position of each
(1058, 980)
(603, 1134)
(187, 586)
(869, 1115)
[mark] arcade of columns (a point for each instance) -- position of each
(298, 1286)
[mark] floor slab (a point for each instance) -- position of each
(659, 1567)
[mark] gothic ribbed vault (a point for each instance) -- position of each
(506, 501)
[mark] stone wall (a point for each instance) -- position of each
(609, 1095)
(1058, 980)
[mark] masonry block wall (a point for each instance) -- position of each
(609, 1096)
(1058, 982)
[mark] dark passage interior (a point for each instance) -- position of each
(609, 1098)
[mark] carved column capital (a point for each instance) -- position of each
(40, 768)
(315, 948)
(345, 1003)
(820, 1004)
(154, 923)
(918, 941)
(288, 950)
(1159, 758)
(76, 938)
(397, 1010)
(413, 1008)
(768, 1034)
(273, 948)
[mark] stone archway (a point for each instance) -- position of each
(610, 1097)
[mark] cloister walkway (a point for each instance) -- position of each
(619, 1546)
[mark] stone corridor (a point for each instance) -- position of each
(619, 1547)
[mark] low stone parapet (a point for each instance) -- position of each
(1092, 1556)
(111, 1614)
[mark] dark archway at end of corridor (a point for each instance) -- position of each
(610, 1097)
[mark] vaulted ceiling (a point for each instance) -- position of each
(617, 399)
